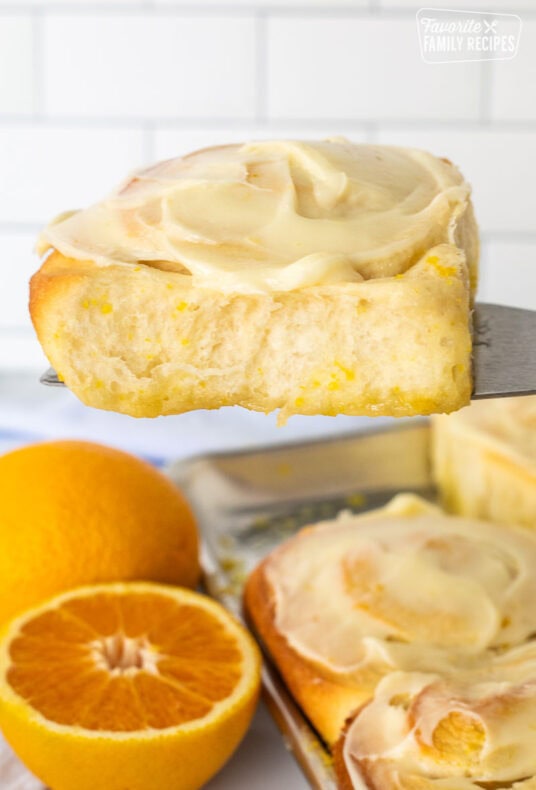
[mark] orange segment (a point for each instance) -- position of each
(114, 707)
(127, 662)
(167, 705)
(217, 682)
(124, 661)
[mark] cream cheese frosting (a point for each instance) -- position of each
(420, 731)
(407, 588)
(432, 617)
(273, 216)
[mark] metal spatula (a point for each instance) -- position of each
(504, 352)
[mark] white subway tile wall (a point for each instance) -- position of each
(509, 273)
(149, 67)
(90, 89)
(514, 82)
(17, 88)
(362, 69)
(501, 166)
(275, 3)
(17, 247)
(173, 142)
(47, 169)
(504, 6)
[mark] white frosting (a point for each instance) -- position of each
(273, 216)
(441, 611)
(451, 735)
(405, 587)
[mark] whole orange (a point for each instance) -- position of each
(74, 513)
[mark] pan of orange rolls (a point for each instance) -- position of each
(406, 636)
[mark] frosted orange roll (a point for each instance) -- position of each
(311, 277)
(484, 460)
(422, 733)
(405, 588)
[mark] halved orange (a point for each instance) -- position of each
(127, 687)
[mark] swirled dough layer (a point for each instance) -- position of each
(405, 588)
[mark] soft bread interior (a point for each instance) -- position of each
(140, 341)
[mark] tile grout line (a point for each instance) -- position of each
(486, 92)
(373, 9)
(511, 236)
(372, 131)
(148, 144)
(38, 64)
(74, 10)
(17, 329)
(20, 227)
(261, 68)
(8, 120)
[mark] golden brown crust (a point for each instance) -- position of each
(47, 284)
(51, 287)
(344, 780)
(339, 764)
(326, 702)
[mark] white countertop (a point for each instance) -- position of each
(261, 762)
(30, 411)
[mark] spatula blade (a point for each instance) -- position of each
(504, 351)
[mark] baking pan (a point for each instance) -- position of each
(248, 502)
